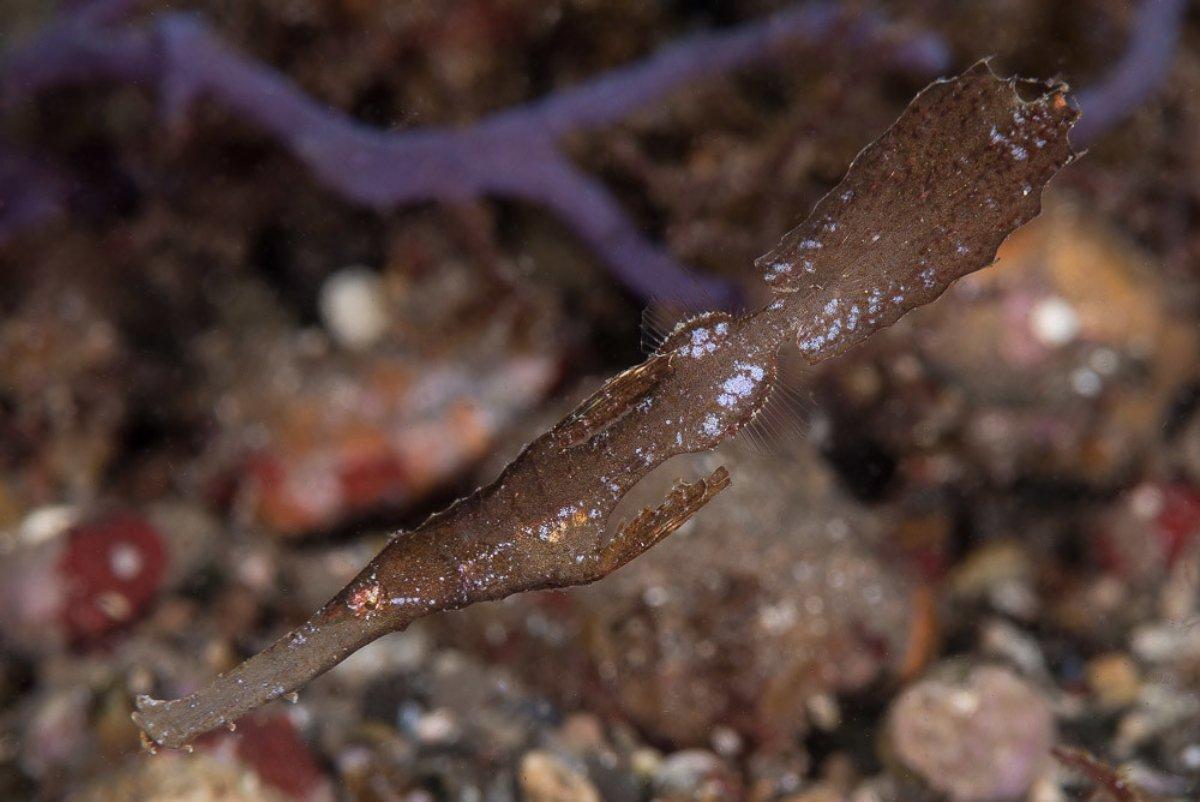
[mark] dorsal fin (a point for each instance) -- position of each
(666, 312)
(657, 325)
(701, 332)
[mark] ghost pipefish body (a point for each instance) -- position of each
(926, 203)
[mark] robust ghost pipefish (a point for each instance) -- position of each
(927, 203)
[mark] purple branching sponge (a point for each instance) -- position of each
(514, 153)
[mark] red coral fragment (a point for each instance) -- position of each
(1178, 520)
(273, 749)
(271, 745)
(112, 568)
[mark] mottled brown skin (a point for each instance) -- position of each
(928, 202)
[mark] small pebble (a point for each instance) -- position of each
(546, 778)
(695, 774)
(1114, 679)
(1054, 321)
(974, 736)
(353, 307)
